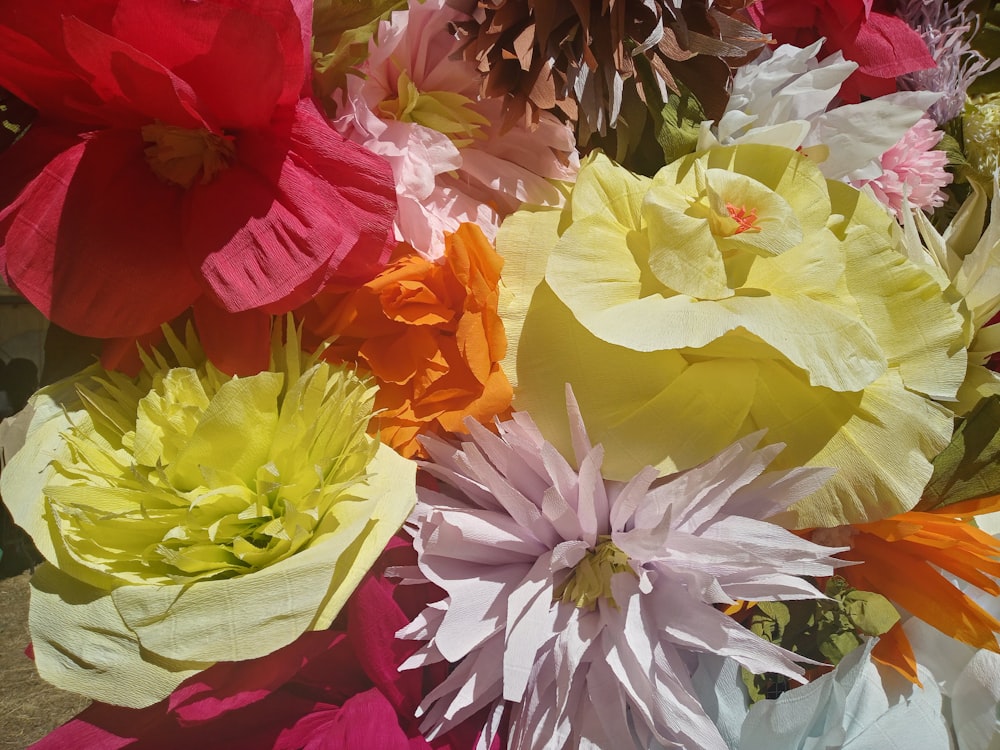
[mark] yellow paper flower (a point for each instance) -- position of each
(735, 290)
(189, 517)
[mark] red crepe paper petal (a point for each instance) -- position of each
(236, 89)
(128, 81)
(281, 217)
(236, 343)
(92, 241)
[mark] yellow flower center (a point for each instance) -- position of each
(182, 155)
(591, 578)
(444, 111)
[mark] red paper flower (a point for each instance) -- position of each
(175, 160)
(336, 689)
(882, 44)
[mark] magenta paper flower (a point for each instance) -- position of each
(416, 103)
(175, 161)
(335, 689)
(579, 603)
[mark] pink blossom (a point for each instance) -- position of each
(913, 168)
(416, 105)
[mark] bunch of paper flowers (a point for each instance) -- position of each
(482, 374)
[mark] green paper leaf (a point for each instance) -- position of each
(681, 118)
(871, 613)
(969, 467)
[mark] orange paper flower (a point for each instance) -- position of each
(430, 334)
(899, 558)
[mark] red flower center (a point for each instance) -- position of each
(182, 155)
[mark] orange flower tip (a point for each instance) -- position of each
(181, 155)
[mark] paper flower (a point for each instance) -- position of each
(577, 602)
(169, 167)
(946, 29)
(580, 56)
(966, 261)
(980, 121)
(287, 700)
(417, 105)
(881, 43)
(187, 517)
(915, 546)
(789, 98)
(969, 677)
(431, 336)
(735, 291)
(914, 169)
(855, 707)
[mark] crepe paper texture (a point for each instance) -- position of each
(157, 131)
(735, 291)
(791, 99)
(187, 517)
(895, 552)
(824, 630)
(576, 603)
(855, 707)
(429, 333)
(286, 700)
(966, 259)
(414, 101)
(867, 32)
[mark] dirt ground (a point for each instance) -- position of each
(30, 708)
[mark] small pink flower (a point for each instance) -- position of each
(913, 168)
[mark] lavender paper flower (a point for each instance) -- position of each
(580, 602)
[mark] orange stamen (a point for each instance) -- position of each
(747, 220)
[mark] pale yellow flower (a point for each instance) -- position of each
(736, 290)
(188, 517)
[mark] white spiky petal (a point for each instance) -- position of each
(505, 533)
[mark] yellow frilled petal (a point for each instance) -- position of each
(825, 336)
(219, 521)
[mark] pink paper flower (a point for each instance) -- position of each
(170, 167)
(335, 689)
(416, 105)
(579, 602)
(913, 168)
(882, 44)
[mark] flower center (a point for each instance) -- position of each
(591, 578)
(746, 221)
(444, 111)
(180, 155)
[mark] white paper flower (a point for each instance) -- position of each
(582, 601)
(790, 99)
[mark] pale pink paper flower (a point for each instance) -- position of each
(416, 105)
(579, 603)
(912, 168)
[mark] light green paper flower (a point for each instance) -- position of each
(188, 517)
(966, 261)
(736, 290)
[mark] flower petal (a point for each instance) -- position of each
(93, 241)
(300, 205)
